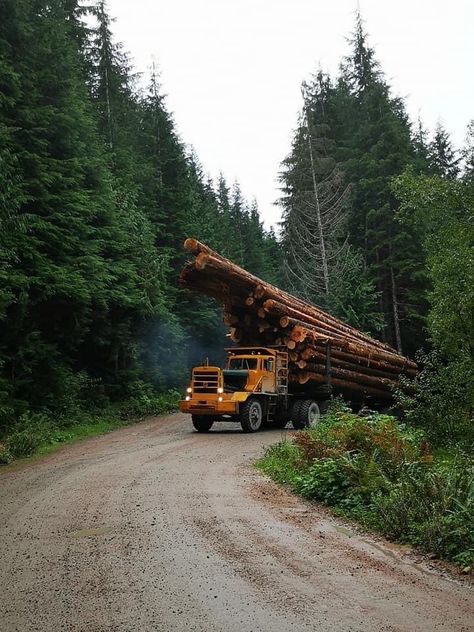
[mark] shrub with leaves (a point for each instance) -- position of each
(441, 398)
(145, 401)
(384, 474)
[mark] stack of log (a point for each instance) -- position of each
(322, 349)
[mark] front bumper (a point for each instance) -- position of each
(208, 407)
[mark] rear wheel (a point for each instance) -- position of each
(308, 414)
(251, 415)
(295, 413)
(202, 423)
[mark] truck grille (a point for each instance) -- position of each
(205, 381)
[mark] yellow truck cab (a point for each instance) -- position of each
(252, 389)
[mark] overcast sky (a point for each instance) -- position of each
(232, 69)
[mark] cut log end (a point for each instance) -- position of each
(202, 260)
(191, 245)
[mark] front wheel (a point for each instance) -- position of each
(251, 415)
(202, 423)
(308, 414)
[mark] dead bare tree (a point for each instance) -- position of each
(316, 205)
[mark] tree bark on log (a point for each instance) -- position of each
(347, 388)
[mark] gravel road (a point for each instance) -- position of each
(156, 528)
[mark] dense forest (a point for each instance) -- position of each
(378, 229)
(98, 192)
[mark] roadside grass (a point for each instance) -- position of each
(386, 476)
(37, 434)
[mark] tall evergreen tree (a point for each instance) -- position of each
(468, 153)
(238, 220)
(254, 238)
(164, 174)
(76, 271)
(421, 148)
(375, 146)
(443, 156)
(111, 81)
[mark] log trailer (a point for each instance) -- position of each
(253, 389)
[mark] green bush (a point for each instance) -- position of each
(5, 456)
(382, 473)
(433, 507)
(22, 443)
(280, 462)
(441, 399)
(325, 480)
(30, 430)
(34, 430)
(143, 400)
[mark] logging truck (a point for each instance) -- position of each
(253, 389)
(290, 355)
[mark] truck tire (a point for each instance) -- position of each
(295, 413)
(251, 415)
(202, 423)
(307, 414)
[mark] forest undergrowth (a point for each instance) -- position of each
(39, 433)
(386, 475)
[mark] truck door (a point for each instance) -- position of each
(268, 375)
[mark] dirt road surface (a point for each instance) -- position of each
(156, 528)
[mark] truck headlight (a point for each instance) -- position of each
(189, 390)
(187, 398)
(220, 390)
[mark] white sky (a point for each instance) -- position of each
(232, 69)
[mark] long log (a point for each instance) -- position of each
(206, 257)
(368, 363)
(297, 317)
(345, 387)
(358, 349)
(318, 315)
(319, 358)
(372, 357)
(353, 376)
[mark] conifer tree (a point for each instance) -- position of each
(468, 153)
(273, 258)
(238, 220)
(111, 80)
(76, 272)
(163, 174)
(224, 209)
(443, 156)
(375, 147)
(254, 237)
(421, 148)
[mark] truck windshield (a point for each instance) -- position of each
(240, 364)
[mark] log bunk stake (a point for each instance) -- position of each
(322, 350)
